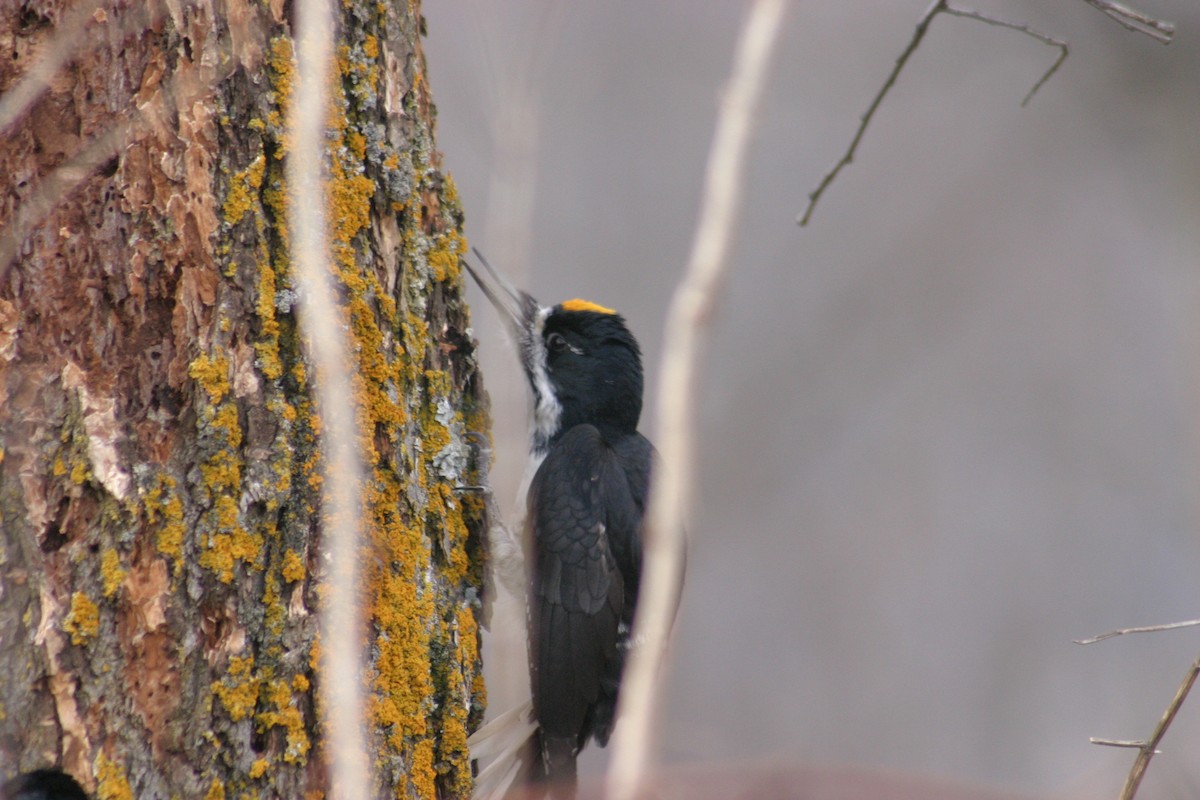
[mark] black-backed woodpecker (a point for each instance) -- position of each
(584, 506)
(42, 784)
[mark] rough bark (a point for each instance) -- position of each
(160, 562)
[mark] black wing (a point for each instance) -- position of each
(585, 506)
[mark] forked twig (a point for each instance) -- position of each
(1149, 748)
(1044, 38)
(1133, 20)
(848, 156)
(937, 7)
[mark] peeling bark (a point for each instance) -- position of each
(161, 552)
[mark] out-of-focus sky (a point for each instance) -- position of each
(947, 428)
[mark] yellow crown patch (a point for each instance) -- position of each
(584, 305)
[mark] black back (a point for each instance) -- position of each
(42, 784)
(586, 504)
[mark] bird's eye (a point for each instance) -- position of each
(556, 342)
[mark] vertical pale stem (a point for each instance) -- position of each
(328, 346)
(687, 319)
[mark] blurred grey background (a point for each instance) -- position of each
(949, 427)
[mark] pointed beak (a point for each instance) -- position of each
(517, 308)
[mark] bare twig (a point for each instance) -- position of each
(1134, 20)
(691, 308)
(1044, 38)
(848, 157)
(326, 342)
(1133, 744)
(1149, 748)
(64, 180)
(1170, 626)
(58, 51)
(935, 8)
(58, 185)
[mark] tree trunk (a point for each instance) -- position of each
(160, 563)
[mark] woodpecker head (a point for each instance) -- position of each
(582, 363)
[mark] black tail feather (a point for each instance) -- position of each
(558, 760)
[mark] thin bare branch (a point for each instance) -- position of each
(1044, 38)
(848, 157)
(1134, 20)
(687, 318)
(64, 46)
(57, 186)
(325, 338)
(1170, 626)
(1133, 744)
(937, 7)
(1149, 748)
(57, 52)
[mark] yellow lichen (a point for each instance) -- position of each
(243, 189)
(226, 420)
(287, 715)
(293, 567)
(110, 571)
(275, 613)
(165, 508)
(267, 348)
(238, 691)
(212, 374)
(82, 620)
(226, 549)
(445, 254)
(259, 768)
(111, 783)
(422, 775)
(216, 791)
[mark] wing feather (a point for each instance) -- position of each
(580, 501)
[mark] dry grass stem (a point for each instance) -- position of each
(687, 318)
(325, 338)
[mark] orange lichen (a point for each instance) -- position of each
(111, 783)
(226, 549)
(212, 374)
(293, 567)
(111, 572)
(82, 620)
(243, 189)
(164, 508)
(444, 256)
(238, 691)
(287, 715)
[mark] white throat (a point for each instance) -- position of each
(547, 411)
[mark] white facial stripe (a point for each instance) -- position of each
(547, 410)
